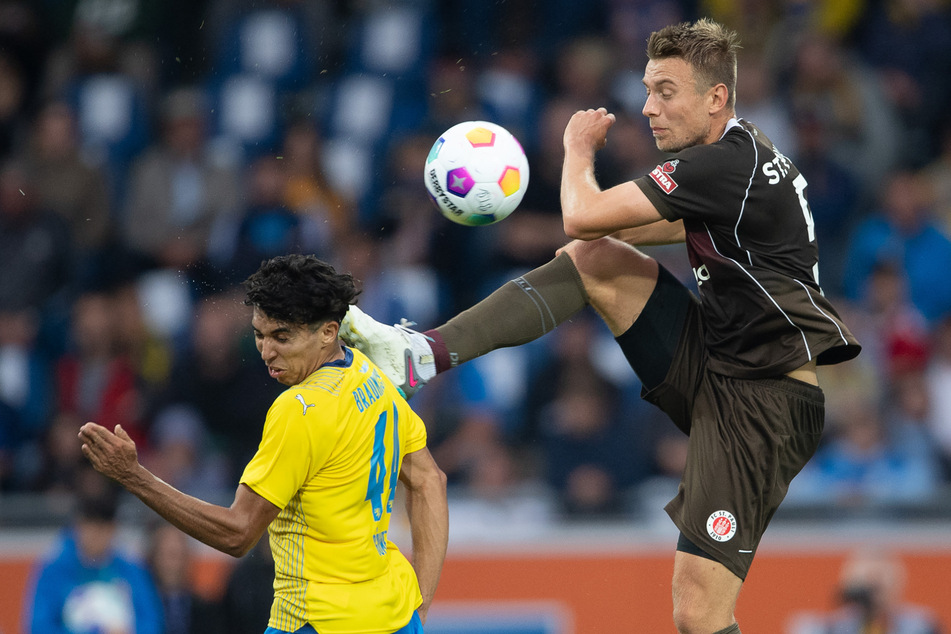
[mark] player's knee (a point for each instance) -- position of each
(699, 612)
(617, 278)
(687, 617)
(586, 251)
(692, 621)
(609, 259)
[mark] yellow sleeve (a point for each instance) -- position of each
(416, 432)
(287, 457)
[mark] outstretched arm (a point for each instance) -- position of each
(588, 212)
(428, 511)
(654, 234)
(233, 530)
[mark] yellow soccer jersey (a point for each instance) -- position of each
(329, 457)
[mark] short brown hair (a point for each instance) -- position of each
(710, 49)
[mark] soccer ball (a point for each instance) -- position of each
(476, 173)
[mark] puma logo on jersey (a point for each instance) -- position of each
(300, 397)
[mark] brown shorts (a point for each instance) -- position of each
(748, 438)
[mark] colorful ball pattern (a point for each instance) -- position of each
(476, 173)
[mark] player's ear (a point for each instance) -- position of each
(719, 97)
(329, 331)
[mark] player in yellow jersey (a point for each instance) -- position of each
(324, 477)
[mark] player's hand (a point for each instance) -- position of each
(111, 454)
(587, 130)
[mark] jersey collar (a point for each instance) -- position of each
(732, 123)
(346, 362)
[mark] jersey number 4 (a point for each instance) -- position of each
(377, 488)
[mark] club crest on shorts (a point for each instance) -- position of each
(721, 526)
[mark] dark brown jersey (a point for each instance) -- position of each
(751, 242)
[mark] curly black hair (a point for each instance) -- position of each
(300, 289)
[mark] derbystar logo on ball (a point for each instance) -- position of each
(476, 173)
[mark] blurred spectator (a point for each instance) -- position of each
(391, 291)
(630, 23)
(894, 333)
(798, 21)
(281, 40)
(87, 585)
(25, 398)
(265, 53)
(593, 451)
(908, 418)
(587, 446)
(24, 37)
(8, 447)
(95, 379)
(13, 103)
(69, 184)
(510, 92)
(908, 45)
(180, 453)
(169, 558)
(472, 451)
(453, 95)
(309, 192)
(583, 71)
(177, 191)
(134, 33)
(902, 231)
(380, 98)
(110, 90)
(870, 599)
(474, 28)
(152, 316)
(246, 604)
(753, 21)
(937, 175)
(757, 100)
(863, 463)
(56, 465)
(25, 383)
(831, 86)
(219, 375)
(416, 240)
(35, 245)
(265, 226)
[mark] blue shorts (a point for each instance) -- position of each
(415, 626)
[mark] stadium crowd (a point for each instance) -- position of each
(152, 153)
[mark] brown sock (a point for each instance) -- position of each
(733, 629)
(520, 311)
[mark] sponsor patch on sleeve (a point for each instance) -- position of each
(662, 175)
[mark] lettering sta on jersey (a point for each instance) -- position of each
(777, 169)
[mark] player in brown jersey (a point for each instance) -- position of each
(735, 369)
